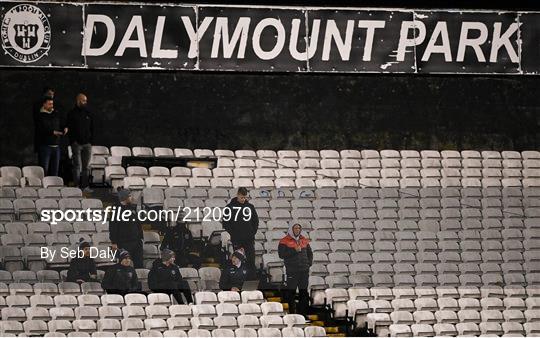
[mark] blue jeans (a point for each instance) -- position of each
(82, 154)
(49, 159)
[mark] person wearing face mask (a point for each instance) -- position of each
(81, 133)
(82, 269)
(165, 277)
(121, 278)
(234, 274)
(294, 249)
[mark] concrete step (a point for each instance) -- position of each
(313, 317)
(331, 329)
(269, 294)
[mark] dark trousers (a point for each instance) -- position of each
(82, 154)
(298, 280)
(135, 249)
(49, 159)
(249, 249)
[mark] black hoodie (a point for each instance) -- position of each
(163, 277)
(169, 280)
(120, 279)
(238, 226)
(232, 277)
(81, 268)
(121, 232)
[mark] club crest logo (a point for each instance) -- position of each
(26, 33)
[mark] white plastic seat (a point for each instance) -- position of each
(314, 331)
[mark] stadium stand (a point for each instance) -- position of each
(406, 243)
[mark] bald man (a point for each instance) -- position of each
(81, 133)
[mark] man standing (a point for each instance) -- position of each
(127, 235)
(81, 133)
(242, 225)
(294, 249)
(165, 277)
(121, 278)
(48, 133)
(36, 109)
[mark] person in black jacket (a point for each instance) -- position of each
(165, 277)
(234, 274)
(48, 132)
(82, 269)
(48, 91)
(81, 132)
(127, 235)
(121, 278)
(242, 224)
(180, 240)
(294, 249)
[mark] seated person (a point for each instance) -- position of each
(121, 278)
(234, 274)
(165, 277)
(82, 269)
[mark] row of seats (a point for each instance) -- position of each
(205, 278)
(442, 310)
(427, 297)
(119, 151)
(139, 183)
(40, 193)
(354, 193)
(35, 182)
(160, 311)
(343, 169)
(157, 197)
(30, 257)
(31, 171)
(365, 275)
(380, 324)
(435, 222)
(138, 328)
(28, 209)
(73, 295)
(65, 228)
(38, 240)
(381, 209)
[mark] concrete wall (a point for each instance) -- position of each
(277, 111)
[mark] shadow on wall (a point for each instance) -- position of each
(276, 111)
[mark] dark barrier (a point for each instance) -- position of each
(229, 38)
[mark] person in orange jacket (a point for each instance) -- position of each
(294, 249)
